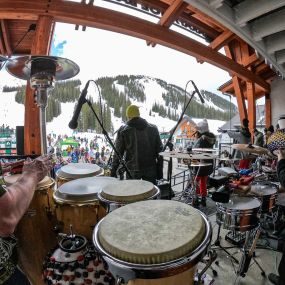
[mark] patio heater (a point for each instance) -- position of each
(42, 72)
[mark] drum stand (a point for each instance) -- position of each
(217, 243)
(248, 253)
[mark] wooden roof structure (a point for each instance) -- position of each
(27, 27)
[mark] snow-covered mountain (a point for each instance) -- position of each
(155, 90)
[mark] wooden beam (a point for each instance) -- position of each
(240, 98)
(268, 113)
(6, 37)
(102, 18)
(41, 46)
(222, 40)
(170, 15)
(251, 105)
(251, 60)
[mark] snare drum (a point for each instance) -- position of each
(125, 192)
(239, 214)
(155, 242)
(77, 204)
(74, 171)
(267, 193)
(35, 230)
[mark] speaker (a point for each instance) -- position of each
(20, 139)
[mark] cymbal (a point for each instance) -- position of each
(21, 66)
(200, 164)
(228, 159)
(250, 148)
(204, 150)
(185, 155)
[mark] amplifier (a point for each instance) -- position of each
(166, 192)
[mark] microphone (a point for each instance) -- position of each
(198, 92)
(222, 195)
(81, 101)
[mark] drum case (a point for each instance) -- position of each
(125, 271)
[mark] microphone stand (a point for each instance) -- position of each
(168, 142)
(105, 133)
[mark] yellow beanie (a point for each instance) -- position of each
(132, 111)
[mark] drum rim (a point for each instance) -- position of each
(68, 177)
(117, 203)
(62, 201)
(222, 205)
(160, 270)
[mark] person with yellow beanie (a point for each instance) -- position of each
(139, 143)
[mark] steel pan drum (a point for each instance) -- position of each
(35, 230)
(77, 204)
(126, 192)
(239, 214)
(267, 193)
(154, 242)
(74, 171)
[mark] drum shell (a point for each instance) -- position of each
(35, 234)
(113, 205)
(236, 219)
(82, 216)
(268, 201)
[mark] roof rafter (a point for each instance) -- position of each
(6, 36)
(170, 15)
(102, 18)
(222, 40)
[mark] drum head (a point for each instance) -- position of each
(152, 232)
(83, 189)
(79, 170)
(241, 203)
(263, 190)
(43, 184)
(128, 191)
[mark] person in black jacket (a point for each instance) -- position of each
(275, 279)
(205, 139)
(139, 143)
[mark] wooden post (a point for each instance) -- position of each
(240, 98)
(41, 46)
(268, 115)
(251, 105)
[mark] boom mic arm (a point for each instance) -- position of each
(81, 101)
(198, 92)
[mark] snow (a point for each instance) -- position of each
(12, 113)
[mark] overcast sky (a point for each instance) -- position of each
(103, 53)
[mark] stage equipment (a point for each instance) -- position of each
(35, 232)
(276, 141)
(134, 242)
(222, 195)
(42, 71)
(227, 171)
(126, 192)
(74, 171)
(75, 261)
(77, 204)
(250, 148)
(204, 150)
(191, 156)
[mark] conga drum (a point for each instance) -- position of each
(154, 242)
(127, 191)
(74, 171)
(77, 204)
(35, 230)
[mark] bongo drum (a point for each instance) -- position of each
(239, 214)
(35, 230)
(154, 242)
(267, 194)
(74, 171)
(77, 204)
(75, 261)
(125, 192)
